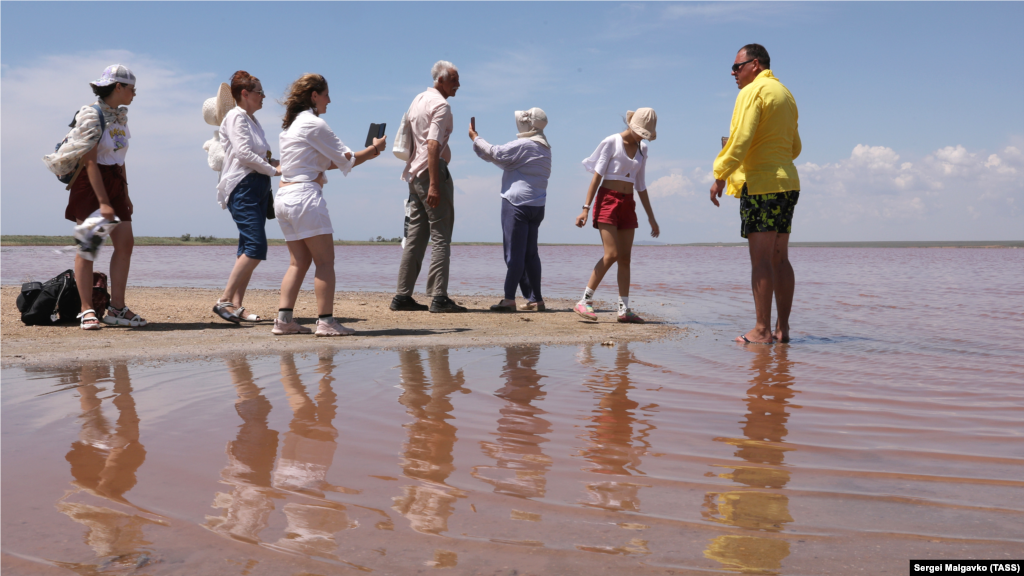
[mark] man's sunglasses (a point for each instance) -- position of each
(736, 67)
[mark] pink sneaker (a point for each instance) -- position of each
(293, 327)
(331, 327)
(585, 309)
(630, 318)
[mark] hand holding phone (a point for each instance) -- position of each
(472, 128)
(376, 132)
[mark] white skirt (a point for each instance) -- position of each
(302, 211)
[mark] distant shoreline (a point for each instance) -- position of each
(16, 240)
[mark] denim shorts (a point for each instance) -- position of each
(767, 212)
(248, 204)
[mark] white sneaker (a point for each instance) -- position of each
(331, 327)
(292, 327)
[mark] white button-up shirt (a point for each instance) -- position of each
(308, 147)
(430, 118)
(245, 150)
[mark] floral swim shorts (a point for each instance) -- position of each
(767, 212)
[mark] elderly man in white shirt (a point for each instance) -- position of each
(431, 194)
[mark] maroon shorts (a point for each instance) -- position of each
(82, 202)
(615, 208)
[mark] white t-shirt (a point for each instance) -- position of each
(612, 163)
(113, 145)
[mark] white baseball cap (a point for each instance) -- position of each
(113, 74)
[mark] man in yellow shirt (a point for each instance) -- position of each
(757, 163)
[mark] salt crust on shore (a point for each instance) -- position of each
(183, 326)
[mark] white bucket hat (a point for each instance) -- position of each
(113, 74)
(531, 123)
(643, 122)
(216, 108)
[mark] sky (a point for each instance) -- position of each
(910, 113)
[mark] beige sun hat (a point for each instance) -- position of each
(216, 108)
(643, 122)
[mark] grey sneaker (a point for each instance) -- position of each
(331, 327)
(293, 327)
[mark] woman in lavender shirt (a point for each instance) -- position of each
(527, 165)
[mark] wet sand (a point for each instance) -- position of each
(183, 325)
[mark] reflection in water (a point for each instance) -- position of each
(104, 462)
(521, 430)
(611, 435)
(427, 456)
(251, 456)
(306, 456)
(762, 447)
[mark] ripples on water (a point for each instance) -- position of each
(889, 429)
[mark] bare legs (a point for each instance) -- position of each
(120, 262)
(771, 276)
(618, 247)
(318, 250)
(239, 279)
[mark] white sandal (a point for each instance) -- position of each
(241, 315)
(115, 317)
(93, 323)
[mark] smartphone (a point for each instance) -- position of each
(472, 122)
(376, 131)
(725, 139)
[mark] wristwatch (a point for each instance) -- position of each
(586, 206)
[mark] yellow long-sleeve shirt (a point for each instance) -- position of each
(763, 140)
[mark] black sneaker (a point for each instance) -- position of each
(407, 304)
(444, 304)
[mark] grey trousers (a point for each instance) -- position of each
(428, 225)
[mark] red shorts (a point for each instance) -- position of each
(615, 208)
(82, 200)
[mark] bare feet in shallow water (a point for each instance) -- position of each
(781, 334)
(756, 337)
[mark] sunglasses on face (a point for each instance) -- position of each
(736, 67)
(260, 92)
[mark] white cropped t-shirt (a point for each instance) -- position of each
(612, 163)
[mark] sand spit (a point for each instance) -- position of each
(183, 325)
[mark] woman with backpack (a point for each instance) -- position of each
(244, 186)
(100, 184)
(618, 165)
(308, 149)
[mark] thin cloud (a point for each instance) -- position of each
(725, 12)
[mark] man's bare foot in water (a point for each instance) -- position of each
(756, 336)
(781, 335)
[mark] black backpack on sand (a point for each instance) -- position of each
(50, 302)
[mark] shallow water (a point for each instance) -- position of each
(888, 429)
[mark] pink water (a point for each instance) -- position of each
(889, 429)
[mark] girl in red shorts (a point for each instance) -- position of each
(618, 167)
(101, 185)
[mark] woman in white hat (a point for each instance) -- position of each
(309, 148)
(244, 186)
(527, 165)
(618, 166)
(101, 184)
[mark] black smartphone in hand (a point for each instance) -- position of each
(376, 131)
